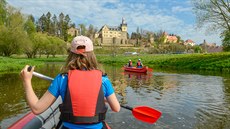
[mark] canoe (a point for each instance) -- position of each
(135, 69)
(47, 120)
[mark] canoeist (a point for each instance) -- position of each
(139, 64)
(82, 87)
(130, 64)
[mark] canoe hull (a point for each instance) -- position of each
(47, 120)
(137, 70)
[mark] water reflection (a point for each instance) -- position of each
(187, 101)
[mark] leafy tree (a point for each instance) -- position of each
(28, 47)
(160, 38)
(226, 40)
(12, 34)
(178, 39)
(3, 12)
(66, 27)
(91, 31)
(29, 26)
(54, 46)
(61, 24)
(54, 25)
(35, 46)
(197, 49)
(48, 23)
(41, 24)
(82, 29)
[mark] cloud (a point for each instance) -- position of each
(172, 16)
(177, 9)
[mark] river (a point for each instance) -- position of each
(186, 100)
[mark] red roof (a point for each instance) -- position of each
(189, 41)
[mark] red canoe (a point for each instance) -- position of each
(135, 69)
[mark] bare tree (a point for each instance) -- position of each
(215, 13)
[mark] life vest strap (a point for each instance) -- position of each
(68, 117)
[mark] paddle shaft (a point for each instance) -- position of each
(127, 107)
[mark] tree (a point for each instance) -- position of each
(91, 31)
(66, 27)
(61, 24)
(54, 25)
(3, 11)
(82, 29)
(226, 40)
(12, 34)
(29, 25)
(197, 49)
(41, 24)
(48, 22)
(215, 14)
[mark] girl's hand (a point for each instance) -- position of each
(25, 74)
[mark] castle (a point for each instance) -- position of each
(109, 35)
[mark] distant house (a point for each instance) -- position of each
(211, 47)
(170, 38)
(189, 42)
(113, 35)
(73, 31)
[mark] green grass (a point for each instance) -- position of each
(211, 62)
(14, 64)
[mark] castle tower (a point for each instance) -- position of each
(123, 25)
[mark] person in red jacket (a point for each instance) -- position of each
(139, 64)
(130, 64)
(82, 86)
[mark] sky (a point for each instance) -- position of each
(172, 16)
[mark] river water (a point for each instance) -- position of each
(186, 100)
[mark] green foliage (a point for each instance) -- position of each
(214, 62)
(3, 12)
(226, 40)
(12, 34)
(29, 25)
(16, 64)
(197, 49)
(214, 15)
(54, 26)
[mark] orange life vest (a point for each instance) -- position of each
(138, 63)
(84, 98)
(130, 64)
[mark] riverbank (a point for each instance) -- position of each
(212, 62)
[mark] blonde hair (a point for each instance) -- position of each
(80, 62)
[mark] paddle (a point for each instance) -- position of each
(149, 69)
(142, 113)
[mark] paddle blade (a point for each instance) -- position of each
(150, 70)
(146, 114)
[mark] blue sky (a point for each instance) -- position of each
(172, 16)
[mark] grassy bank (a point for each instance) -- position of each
(213, 62)
(14, 64)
